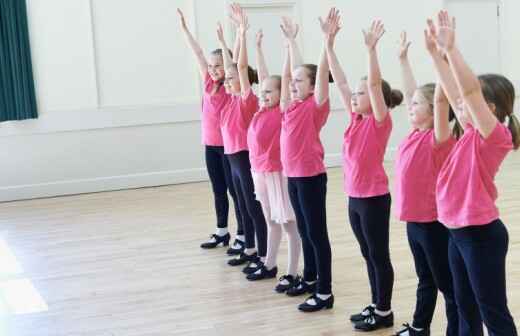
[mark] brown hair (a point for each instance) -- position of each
(392, 97)
(218, 52)
(251, 73)
(499, 90)
(312, 70)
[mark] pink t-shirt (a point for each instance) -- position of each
(466, 192)
(419, 160)
(234, 121)
(364, 145)
(301, 149)
(263, 140)
(212, 105)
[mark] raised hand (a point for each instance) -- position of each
(234, 14)
(445, 35)
(259, 37)
(184, 26)
(372, 36)
(404, 44)
(244, 23)
(429, 38)
(330, 26)
(289, 28)
(220, 33)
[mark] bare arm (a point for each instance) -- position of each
(335, 68)
(290, 31)
(469, 86)
(234, 15)
(441, 66)
(285, 95)
(441, 108)
(409, 82)
(375, 92)
(225, 55)
(261, 65)
(243, 65)
(194, 46)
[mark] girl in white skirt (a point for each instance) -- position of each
(263, 140)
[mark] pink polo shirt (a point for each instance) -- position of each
(234, 121)
(212, 105)
(263, 140)
(418, 162)
(466, 192)
(364, 145)
(301, 149)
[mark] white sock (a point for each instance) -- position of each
(249, 251)
(383, 313)
(323, 296)
(242, 238)
(221, 232)
(416, 329)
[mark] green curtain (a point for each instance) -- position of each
(17, 94)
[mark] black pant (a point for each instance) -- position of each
(251, 210)
(307, 196)
(220, 176)
(477, 257)
(429, 245)
(370, 221)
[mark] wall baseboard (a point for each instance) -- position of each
(110, 183)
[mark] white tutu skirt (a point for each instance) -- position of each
(271, 191)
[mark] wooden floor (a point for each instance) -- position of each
(128, 263)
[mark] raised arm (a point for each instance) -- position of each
(375, 91)
(335, 67)
(321, 89)
(469, 85)
(441, 111)
(243, 65)
(261, 65)
(441, 67)
(285, 95)
(234, 15)
(225, 54)
(290, 30)
(409, 83)
(194, 45)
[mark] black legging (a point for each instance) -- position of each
(252, 216)
(308, 195)
(370, 221)
(220, 176)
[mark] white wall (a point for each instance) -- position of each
(119, 95)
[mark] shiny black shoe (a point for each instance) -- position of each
(252, 266)
(375, 322)
(263, 273)
(320, 304)
(236, 248)
(242, 259)
(301, 287)
(368, 310)
(282, 287)
(408, 330)
(215, 240)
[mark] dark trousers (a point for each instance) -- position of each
(252, 216)
(429, 245)
(370, 221)
(308, 198)
(477, 257)
(220, 176)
